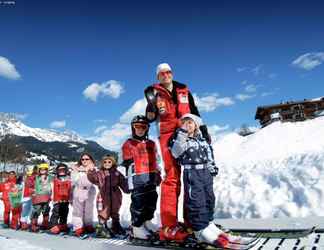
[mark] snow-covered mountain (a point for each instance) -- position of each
(277, 171)
(10, 125)
(46, 143)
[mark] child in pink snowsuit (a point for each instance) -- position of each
(84, 193)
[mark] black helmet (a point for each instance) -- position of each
(62, 166)
(140, 119)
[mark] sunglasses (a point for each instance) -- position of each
(109, 162)
(163, 73)
(85, 159)
(140, 126)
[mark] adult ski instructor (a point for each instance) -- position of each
(168, 101)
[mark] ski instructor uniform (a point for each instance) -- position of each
(168, 100)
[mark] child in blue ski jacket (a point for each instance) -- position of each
(195, 156)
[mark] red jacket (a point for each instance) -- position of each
(145, 170)
(6, 188)
(170, 106)
(29, 186)
(62, 190)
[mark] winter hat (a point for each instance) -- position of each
(109, 157)
(163, 67)
(193, 117)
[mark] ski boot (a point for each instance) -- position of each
(149, 226)
(176, 233)
(212, 235)
(79, 232)
(55, 229)
(116, 228)
(45, 223)
(34, 226)
(89, 229)
(24, 226)
(64, 228)
(141, 233)
(102, 231)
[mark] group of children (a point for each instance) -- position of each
(77, 188)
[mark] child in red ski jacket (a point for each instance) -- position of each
(62, 188)
(8, 187)
(140, 160)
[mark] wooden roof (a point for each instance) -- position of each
(260, 109)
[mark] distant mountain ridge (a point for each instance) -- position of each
(59, 146)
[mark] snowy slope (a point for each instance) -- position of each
(10, 125)
(276, 172)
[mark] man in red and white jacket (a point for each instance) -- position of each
(168, 100)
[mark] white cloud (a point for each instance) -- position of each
(251, 88)
(58, 124)
(20, 117)
(244, 97)
(100, 129)
(113, 137)
(8, 70)
(309, 61)
(211, 102)
(264, 94)
(138, 108)
(110, 88)
(272, 75)
(244, 82)
(241, 69)
(257, 70)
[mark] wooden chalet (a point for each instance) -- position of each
(290, 111)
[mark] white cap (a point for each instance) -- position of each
(195, 118)
(163, 67)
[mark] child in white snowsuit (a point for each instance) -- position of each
(195, 156)
(84, 193)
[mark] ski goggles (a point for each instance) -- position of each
(165, 73)
(140, 126)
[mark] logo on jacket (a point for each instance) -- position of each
(160, 104)
(183, 99)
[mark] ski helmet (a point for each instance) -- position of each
(43, 166)
(142, 120)
(62, 170)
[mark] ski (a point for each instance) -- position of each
(276, 234)
(191, 243)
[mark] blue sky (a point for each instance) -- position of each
(84, 64)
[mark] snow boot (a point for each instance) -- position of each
(102, 231)
(34, 226)
(55, 229)
(45, 223)
(141, 233)
(116, 228)
(24, 226)
(212, 235)
(176, 233)
(149, 226)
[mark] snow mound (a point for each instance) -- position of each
(276, 172)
